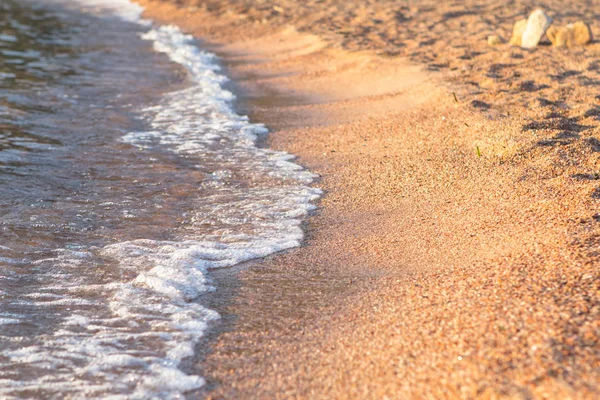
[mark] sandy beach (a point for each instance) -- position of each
(456, 250)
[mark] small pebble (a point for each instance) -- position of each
(572, 35)
(494, 40)
(537, 24)
(518, 30)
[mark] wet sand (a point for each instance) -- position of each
(455, 252)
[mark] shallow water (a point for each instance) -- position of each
(125, 176)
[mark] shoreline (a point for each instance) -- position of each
(428, 271)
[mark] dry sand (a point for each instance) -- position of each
(456, 251)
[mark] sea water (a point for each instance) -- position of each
(125, 176)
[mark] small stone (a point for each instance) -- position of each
(537, 24)
(582, 34)
(518, 30)
(572, 35)
(586, 277)
(494, 40)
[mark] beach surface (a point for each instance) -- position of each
(456, 251)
